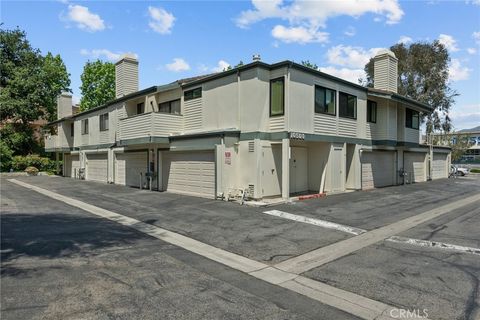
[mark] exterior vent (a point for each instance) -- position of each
(251, 190)
(251, 146)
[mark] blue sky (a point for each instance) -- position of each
(177, 39)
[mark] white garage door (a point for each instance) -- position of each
(190, 173)
(96, 167)
(439, 166)
(378, 169)
(128, 167)
(414, 165)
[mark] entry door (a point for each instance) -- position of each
(272, 171)
(298, 170)
(337, 171)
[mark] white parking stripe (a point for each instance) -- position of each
(323, 255)
(316, 222)
(358, 231)
(348, 302)
(434, 244)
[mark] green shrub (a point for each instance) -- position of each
(475, 170)
(32, 171)
(5, 156)
(20, 163)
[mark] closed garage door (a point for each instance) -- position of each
(378, 169)
(96, 167)
(128, 167)
(414, 165)
(190, 173)
(439, 166)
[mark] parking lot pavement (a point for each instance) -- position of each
(379, 207)
(239, 229)
(460, 227)
(59, 262)
(444, 283)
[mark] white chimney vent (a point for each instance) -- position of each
(126, 75)
(256, 57)
(385, 71)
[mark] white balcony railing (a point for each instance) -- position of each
(151, 124)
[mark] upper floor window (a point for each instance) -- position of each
(170, 107)
(347, 106)
(324, 100)
(104, 122)
(85, 126)
(192, 94)
(72, 129)
(140, 108)
(412, 119)
(371, 111)
(277, 97)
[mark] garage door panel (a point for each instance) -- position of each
(378, 169)
(439, 166)
(128, 167)
(97, 167)
(414, 165)
(190, 173)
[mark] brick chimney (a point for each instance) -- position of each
(126, 75)
(385, 71)
(64, 105)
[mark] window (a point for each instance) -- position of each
(140, 108)
(277, 97)
(72, 127)
(192, 94)
(85, 126)
(347, 106)
(324, 100)
(104, 122)
(170, 107)
(371, 111)
(412, 119)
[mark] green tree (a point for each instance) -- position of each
(29, 85)
(308, 64)
(98, 84)
(423, 76)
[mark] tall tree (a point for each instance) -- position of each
(423, 76)
(98, 84)
(29, 85)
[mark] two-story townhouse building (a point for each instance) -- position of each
(272, 129)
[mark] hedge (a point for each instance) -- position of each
(20, 163)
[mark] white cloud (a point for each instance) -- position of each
(305, 18)
(85, 19)
(161, 21)
(222, 65)
(350, 32)
(465, 116)
(471, 50)
(352, 57)
(99, 53)
(351, 75)
(405, 40)
(456, 72)
(449, 42)
(299, 34)
(178, 65)
(476, 37)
